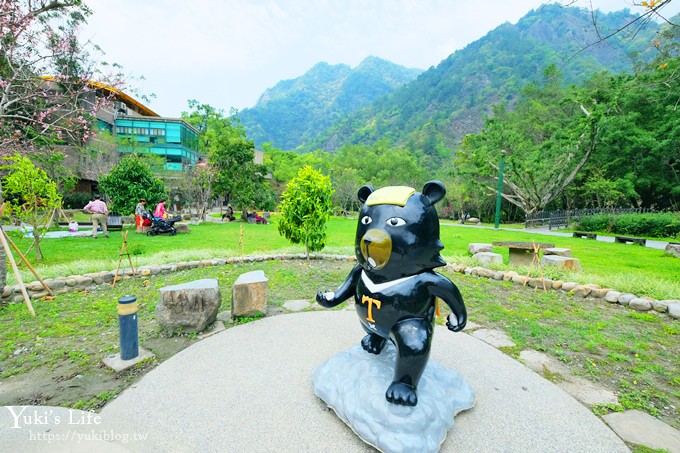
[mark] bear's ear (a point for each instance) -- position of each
(434, 191)
(365, 192)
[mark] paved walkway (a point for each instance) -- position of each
(545, 231)
(249, 389)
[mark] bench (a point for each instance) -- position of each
(581, 234)
(522, 253)
(626, 239)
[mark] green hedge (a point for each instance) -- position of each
(659, 225)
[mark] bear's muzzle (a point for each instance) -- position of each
(376, 248)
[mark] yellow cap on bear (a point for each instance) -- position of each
(397, 195)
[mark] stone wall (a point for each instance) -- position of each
(61, 285)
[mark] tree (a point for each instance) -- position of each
(196, 187)
(46, 96)
(305, 208)
(547, 139)
(231, 153)
(31, 196)
(130, 180)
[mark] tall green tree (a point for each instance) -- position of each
(305, 208)
(546, 140)
(31, 196)
(231, 153)
(130, 180)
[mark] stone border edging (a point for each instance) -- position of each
(62, 285)
(670, 307)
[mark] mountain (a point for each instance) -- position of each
(294, 111)
(434, 112)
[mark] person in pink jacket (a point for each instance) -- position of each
(160, 210)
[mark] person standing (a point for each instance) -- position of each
(159, 212)
(140, 209)
(99, 215)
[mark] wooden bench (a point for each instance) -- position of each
(522, 253)
(581, 234)
(626, 239)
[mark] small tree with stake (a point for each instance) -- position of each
(31, 196)
(305, 208)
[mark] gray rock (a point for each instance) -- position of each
(674, 311)
(673, 249)
(498, 275)
(190, 306)
(540, 283)
(600, 292)
(612, 297)
(509, 275)
(640, 304)
(557, 284)
(522, 279)
(640, 428)
(582, 291)
(478, 247)
(625, 299)
(249, 294)
(569, 286)
(660, 306)
(353, 384)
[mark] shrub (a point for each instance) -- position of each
(76, 200)
(663, 224)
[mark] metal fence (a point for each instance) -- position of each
(563, 218)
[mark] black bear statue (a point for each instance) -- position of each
(395, 288)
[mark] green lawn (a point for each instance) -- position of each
(631, 268)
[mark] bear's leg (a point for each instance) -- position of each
(412, 338)
(373, 343)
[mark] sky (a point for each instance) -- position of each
(226, 53)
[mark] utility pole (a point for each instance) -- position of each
(500, 190)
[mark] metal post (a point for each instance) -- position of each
(127, 319)
(500, 190)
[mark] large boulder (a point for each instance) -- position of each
(190, 307)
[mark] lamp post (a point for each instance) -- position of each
(497, 219)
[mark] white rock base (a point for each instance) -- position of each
(353, 384)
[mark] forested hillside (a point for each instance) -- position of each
(294, 111)
(435, 112)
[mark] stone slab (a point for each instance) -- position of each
(559, 251)
(496, 338)
(578, 387)
(297, 305)
(117, 364)
(642, 429)
(265, 400)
